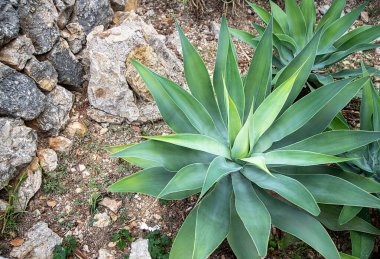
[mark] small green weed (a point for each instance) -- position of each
(94, 201)
(121, 238)
(66, 249)
(159, 245)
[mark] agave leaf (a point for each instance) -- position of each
(320, 185)
(358, 36)
(186, 182)
(280, 16)
(288, 42)
(115, 149)
(299, 114)
(288, 188)
(220, 67)
(218, 168)
(297, 157)
(252, 212)
(332, 14)
(171, 157)
(301, 225)
(362, 244)
(308, 10)
(213, 220)
(304, 60)
(245, 37)
(238, 237)
(339, 123)
(348, 213)
(323, 118)
(171, 113)
(329, 217)
(297, 26)
(149, 181)
(376, 109)
(234, 122)
(337, 29)
(234, 84)
(195, 142)
(242, 142)
(259, 76)
(366, 107)
(326, 142)
(198, 79)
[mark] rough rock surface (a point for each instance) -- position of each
(18, 145)
(19, 95)
(39, 244)
(70, 70)
(56, 114)
(38, 23)
(65, 9)
(118, 5)
(91, 13)
(48, 159)
(76, 128)
(3, 205)
(9, 22)
(17, 52)
(75, 36)
(102, 220)
(60, 144)
(111, 73)
(105, 254)
(101, 116)
(139, 249)
(43, 73)
(29, 186)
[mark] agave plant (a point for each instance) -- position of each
(253, 156)
(293, 29)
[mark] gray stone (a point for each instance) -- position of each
(38, 23)
(102, 220)
(3, 206)
(91, 13)
(43, 73)
(29, 186)
(103, 117)
(9, 22)
(113, 79)
(139, 249)
(56, 114)
(105, 254)
(17, 52)
(323, 9)
(65, 8)
(75, 36)
(364, 16)
(19, 95)
(48, 159)
(18, 145)
(39, 244)
(70, 70)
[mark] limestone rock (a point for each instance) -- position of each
(17, 52)
(364, 16)
(75, 36)
(19, 95)
(323, 9)
(43, 73)
(60, 144)
(39, 244)
(139, 249)
(91, 13)
(112, 204)
(18, 145)
(70, 70)
(29, 186)
(9, 22)
(38, 23)
(56, 114)
(65, 8)
(76, 128)
(131, 5)
(105, 254)
(101, 116)
(102, 220)
(111, 72)
(3, 205)
(48, 159)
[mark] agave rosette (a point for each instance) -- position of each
(293, 29)
(254, 155)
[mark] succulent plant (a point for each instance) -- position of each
(254, 156)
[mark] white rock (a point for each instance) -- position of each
(113, 205)
(81, 167)
(48, 159)
(323, 9)
(139, 249)
(102, 220)
(105, 254)
(39, 243)
(3, 205)
(364, 16)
